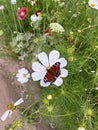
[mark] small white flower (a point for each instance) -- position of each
(62, 4)
(92, 71)
(13, 2)
(69, 11)
(55, 27)
(35, 18)
(32, 2)
(74, 15)
(23, 75)
(1, 7)
(96, 88)
(93, 4)
(80, 70)
(50, 70)
(81, 128)
(10, 108)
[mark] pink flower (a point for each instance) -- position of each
(22, 13)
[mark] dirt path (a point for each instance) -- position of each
(10, 92)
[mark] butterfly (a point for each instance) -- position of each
(53, 73)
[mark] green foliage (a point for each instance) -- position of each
(75, 103)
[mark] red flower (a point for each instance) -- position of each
(22, 13)
(48, 32)
(37, 13)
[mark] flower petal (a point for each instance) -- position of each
(43, 84)
(23, 70)
(34, 18)
(53, 57)
(43, 58)
(5, 115)
(17, 75)
(18, 102)
(28, 75)
(10, 113)
(64, 73)
(26, 80)
(36, 66)
(58, 82)
(63, 62)
(38, 75)
(96, 7)
(13, 2)
(22, 80)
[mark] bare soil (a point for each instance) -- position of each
(11, 90)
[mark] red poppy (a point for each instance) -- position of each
(22, 13)
(48, 32)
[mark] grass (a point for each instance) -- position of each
(73, 104)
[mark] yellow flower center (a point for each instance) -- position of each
(92, 5)
(10, 106)
(49, 97)
(48, 68)
(24, 75)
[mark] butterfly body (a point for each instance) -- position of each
(52, 73)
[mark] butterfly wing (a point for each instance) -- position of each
(52, 73)
(49, 77)
(55, 69)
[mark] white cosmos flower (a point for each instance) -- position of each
(10, 108)
(93, 4)
(41, 69)
(23, 75)
(13, 2)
